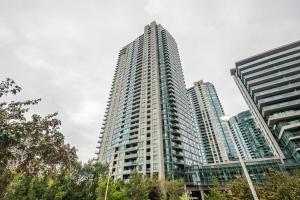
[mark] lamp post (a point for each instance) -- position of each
(108, 179)
(226, 118)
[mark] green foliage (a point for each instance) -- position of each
(280, 186)
(215, 192)
(137, 187)
(174, 189)
(79, 183)
(31, 146)
(116, 190)
(5, 178)
(185, 196)
(155, 188)
(88, 176)
(239, 189)
(18, 188)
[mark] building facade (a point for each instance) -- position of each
(249, 138)
(203, 177)
(215, 141)
(270, 84)
(148, 125)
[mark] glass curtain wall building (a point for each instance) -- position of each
(216, 144)
(147, 124)
(219, 156)
(248, 136)
(270, 84)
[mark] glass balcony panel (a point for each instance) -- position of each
(268, 57)
(270, 70)
(259, 67)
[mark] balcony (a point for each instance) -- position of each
(278, 98)
(130, 163)
(131, 148)
(178, 161)
(271, 70)
(293, 114)
(259, 67)
(177, 153)
(175, 138)
(133, 141)
(290, 105)
(278, 90)
(133, 155)
(273, 84)
(176, 146)
(288, 127)
(273, 76)
(175, 132)
(270, 57)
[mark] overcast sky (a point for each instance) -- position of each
(65, 51)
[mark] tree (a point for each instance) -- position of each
(79, 183)
(239, 190)
(185, 196)
(154, 188)
(116, 190)
(280, 185)
(174, 189)
(215, 192)
(137, 188)
(32, 146)
(88, 177)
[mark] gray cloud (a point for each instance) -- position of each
(65, 51)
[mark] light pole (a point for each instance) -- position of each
(226, 118)
(106, 190)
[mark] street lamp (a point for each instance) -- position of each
(226, 119)
(108, 179)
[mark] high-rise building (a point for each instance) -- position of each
(216, 144)
(249, 139)
(270, 84)
(219, 158)
(148, 124)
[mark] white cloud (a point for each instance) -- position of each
(7, 35)
(32, 57)
(154, 7)
(87, 112)
(54, 28)
(65, 51)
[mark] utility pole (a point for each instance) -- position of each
(246, 173)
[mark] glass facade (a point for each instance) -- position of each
(249, 138)
(270, 84)
(154, 125)
(204, 176)
(216, 144)
(147, 123)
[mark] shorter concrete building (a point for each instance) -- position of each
(270, 84)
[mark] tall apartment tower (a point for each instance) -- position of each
(249, 138)
(147, 124)
(270, 84)
(215, 141)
